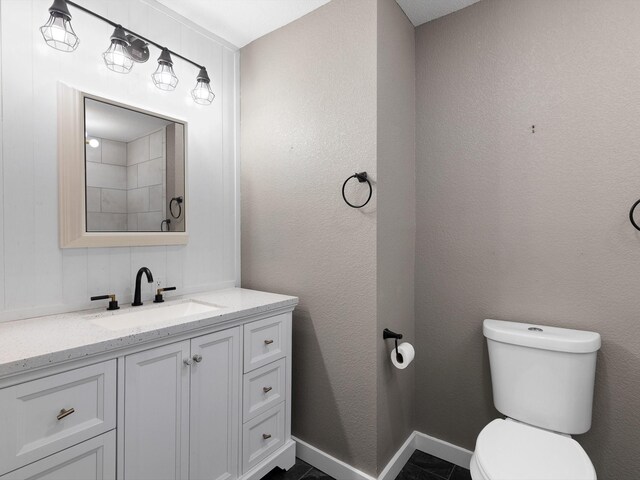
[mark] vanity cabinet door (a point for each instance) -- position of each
(215, 404)
(156, 420)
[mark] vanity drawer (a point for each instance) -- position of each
(262, 436)
(47, 415)
(94, 459)
(264, 341)
(263, 388)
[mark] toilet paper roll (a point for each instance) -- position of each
(406, 351)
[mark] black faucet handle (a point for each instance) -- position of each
(113, 303)
(159, 297)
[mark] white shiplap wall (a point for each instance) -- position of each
(36, 275)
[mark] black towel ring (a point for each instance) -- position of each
(179, 201)
(633, 222)
(362, 177)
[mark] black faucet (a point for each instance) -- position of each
(136, 298)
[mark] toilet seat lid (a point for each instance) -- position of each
(509, 450)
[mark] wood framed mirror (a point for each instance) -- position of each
(122, 174)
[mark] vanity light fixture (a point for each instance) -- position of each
(164, 76)
(57, 32)
(117, 58)
(202, 93)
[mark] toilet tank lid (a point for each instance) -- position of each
(542, 337)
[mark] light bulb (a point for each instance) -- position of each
(117, 58)
(57, 32)
(164, 78)
(202, 93)
(94, 143)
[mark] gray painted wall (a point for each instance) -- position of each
(308, 121)
(396, 222)
(529, 226)
(323, 97)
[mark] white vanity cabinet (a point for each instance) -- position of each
(209, 398)
(49, 414)
(181, 409)
(94, 459)
(265, 383)
(156, 413)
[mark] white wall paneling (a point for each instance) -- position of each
(230, 113)
(18, 162)
(1, 178)
(37, 276)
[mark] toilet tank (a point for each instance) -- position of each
(543, 376)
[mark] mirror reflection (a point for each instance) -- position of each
(135, 170)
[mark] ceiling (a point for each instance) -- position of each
(422, 11)
(242, 21)
(103, 120)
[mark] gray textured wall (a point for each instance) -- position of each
(529, 226)
(308, 121)
(396, 222)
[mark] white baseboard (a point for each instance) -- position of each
(416, 441)
(328, 464)
(444, 450)
(391, 471)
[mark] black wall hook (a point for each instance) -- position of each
(633, 222)
(362, 177)
(386, 333)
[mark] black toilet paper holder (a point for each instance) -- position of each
(386, 333)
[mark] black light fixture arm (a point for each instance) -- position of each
(141, 37)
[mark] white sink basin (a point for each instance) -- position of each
(157, 314)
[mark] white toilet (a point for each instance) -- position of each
(543, 381)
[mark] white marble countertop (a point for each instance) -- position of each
(37, 342)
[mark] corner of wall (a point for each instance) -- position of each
(396, 223)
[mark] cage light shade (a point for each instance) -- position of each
(164, 77)
(117, 58)
(57, 32)
(202, 93)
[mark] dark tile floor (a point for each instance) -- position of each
(421, 466)
(299, 471)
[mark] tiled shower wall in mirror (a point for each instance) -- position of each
(146, 182)
(106, 186)
(126, 184)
